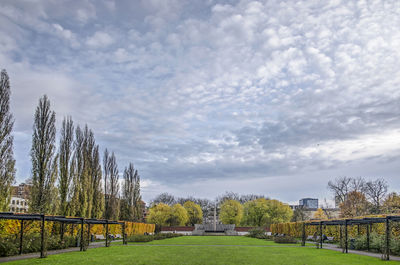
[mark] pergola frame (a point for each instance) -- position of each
(344, 223)
(63, 220)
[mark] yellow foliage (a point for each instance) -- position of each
(295, 229)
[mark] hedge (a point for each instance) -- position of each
(295, 229)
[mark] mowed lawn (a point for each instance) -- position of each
(207, 250)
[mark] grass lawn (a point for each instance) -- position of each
(179, 251)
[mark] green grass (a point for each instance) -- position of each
(212, 240)
(181, 251)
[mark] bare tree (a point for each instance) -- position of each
(7, 161)
(340, 187)
(358, 184)
(164, 198)
(44, 159)
(376, 191)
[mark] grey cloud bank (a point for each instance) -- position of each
(271, 97)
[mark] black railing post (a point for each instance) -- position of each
(62, 232)
(124, 239)
(303, 235)
(368, 231)
(345, 237)
(106, 233)
(42, 241)
(88, 241)
(21, 237)
(387, 239)
(320, 234)
(82, 238)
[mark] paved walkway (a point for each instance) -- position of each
(53, 252)
(358, 252)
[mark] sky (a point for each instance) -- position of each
(204, 96)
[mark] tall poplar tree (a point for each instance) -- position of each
(66, 169)
(111, 186)
(131, 199)
(98, 199)
(44, 159)
(7, 162)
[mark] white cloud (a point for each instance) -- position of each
(199, 92)
(99, 39)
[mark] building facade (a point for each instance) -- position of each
(309, 203)
(18, 205)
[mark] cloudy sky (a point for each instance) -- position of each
(205, 96)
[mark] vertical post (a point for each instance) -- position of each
(42, 248)
(106, 233)
(341, 237)
(320, 234)
(387, 238)
(346, 245)
(303, 235)
(124, 239)
(368, 231)
(82, 239)
(62, 231)
(88, 232)
(358, 230)
(21, 237)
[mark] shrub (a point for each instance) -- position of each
(360, 242)
(8, 246)
(376, 242)
(258, 232)
(395, 245)
(285, 240)
(148, 238)
(141, 238)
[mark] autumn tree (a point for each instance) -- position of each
(159, 214)
(44, 159)
(355, 204)
(231, 212)
(179, 215)
(7, 161)
(195, 213)
(255, 212)
(391, 205)
(66, 170)
(278, 212)
(319, 215)
(262, 212)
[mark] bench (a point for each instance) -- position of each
(330, 239)
(99, 237)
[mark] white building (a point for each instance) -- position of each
(18, 205)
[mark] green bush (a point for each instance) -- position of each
(395, 246)
(259, 233)
(285, 240)
(360, 242)
(148, 238)
(141, 238)
(9, 246)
